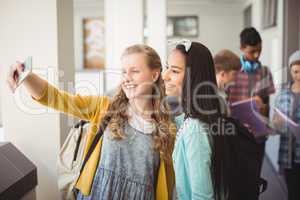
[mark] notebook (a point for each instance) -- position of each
(246, 111)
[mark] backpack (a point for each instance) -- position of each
(245, 154)
(71, 157)
(90, 150)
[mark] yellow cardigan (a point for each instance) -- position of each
(92, 109)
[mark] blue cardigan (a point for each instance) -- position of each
(192, 160)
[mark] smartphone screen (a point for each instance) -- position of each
(27, 70)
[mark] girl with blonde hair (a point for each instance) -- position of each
(133, 159)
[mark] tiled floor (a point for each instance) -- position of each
(276, 186)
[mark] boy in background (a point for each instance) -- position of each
(227, 65)
(254, 80)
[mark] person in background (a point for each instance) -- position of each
(254, 80)
(227, 65)
(288, 102)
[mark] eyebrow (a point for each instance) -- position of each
(174, 66)
(133, 67)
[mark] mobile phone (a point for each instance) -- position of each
(27, 70)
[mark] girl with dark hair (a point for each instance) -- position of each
(198, 155)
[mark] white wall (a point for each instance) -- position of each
(42, 29)
(219, 23)
(1, 134)
(123, 28)
(0, 110)
(272, 56)
(89, 82)
(86, 81)
(1, 125)
(120, 35)
(157, 26)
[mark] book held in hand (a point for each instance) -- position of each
(293, 126)
(247, 112)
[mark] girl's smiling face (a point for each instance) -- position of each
(173, 75)
(137, 78)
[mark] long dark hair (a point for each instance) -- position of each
(200, 81)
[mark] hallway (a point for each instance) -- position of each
(76, 45)
(276, 188)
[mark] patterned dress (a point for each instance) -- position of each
(128, 168)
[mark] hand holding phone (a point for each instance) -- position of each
(27, 68)
(18, 73)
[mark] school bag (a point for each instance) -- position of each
(245, 153)
(90, 150)
(71, 157)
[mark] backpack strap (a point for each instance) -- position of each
(80, 125)
(95, 142)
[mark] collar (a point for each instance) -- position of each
(139, 123)
(222, 93)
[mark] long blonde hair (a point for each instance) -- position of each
(165, 130)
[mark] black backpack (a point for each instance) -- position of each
(245, 153)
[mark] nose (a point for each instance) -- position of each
(165, 75)
(127, 77)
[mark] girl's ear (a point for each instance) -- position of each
(155, 76)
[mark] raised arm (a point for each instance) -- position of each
(33, 83)
(83, 107)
